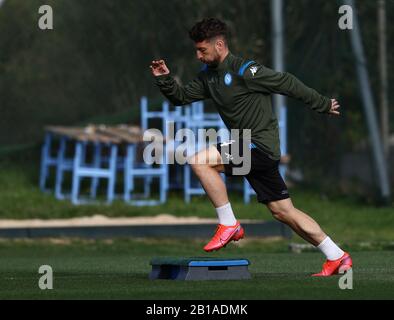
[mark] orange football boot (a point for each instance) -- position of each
(223, 235)
(336, 266)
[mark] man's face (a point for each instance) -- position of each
(207, 52)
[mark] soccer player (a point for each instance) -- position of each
(241, 91)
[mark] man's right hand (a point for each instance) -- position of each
(159, 68)
(334, 107)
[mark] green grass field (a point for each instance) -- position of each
(119, 270)
(346, 220)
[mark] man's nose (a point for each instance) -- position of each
(199, 55)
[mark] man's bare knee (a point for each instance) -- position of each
(281, 209)
(199, 169)
(208, 157)
(219, 168)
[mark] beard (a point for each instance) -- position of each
(213, 63)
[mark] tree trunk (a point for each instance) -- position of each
(384, 112)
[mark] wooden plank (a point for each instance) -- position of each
(128, 134)
(88, 134)
(105, 134)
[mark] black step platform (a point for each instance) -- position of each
(199, 269)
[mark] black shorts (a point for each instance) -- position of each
(264, 176)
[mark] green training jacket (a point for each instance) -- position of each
(241, 91)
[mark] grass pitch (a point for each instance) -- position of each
(119, 270)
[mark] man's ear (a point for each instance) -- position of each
(220, 44)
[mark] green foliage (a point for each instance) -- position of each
(94, 64)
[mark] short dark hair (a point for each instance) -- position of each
(207, 29)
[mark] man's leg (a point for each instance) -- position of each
(301, 223)
(207, 165)
(309, 230)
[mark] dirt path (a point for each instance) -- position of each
(99, 220)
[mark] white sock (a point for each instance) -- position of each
(226, 215)
(330, 249)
